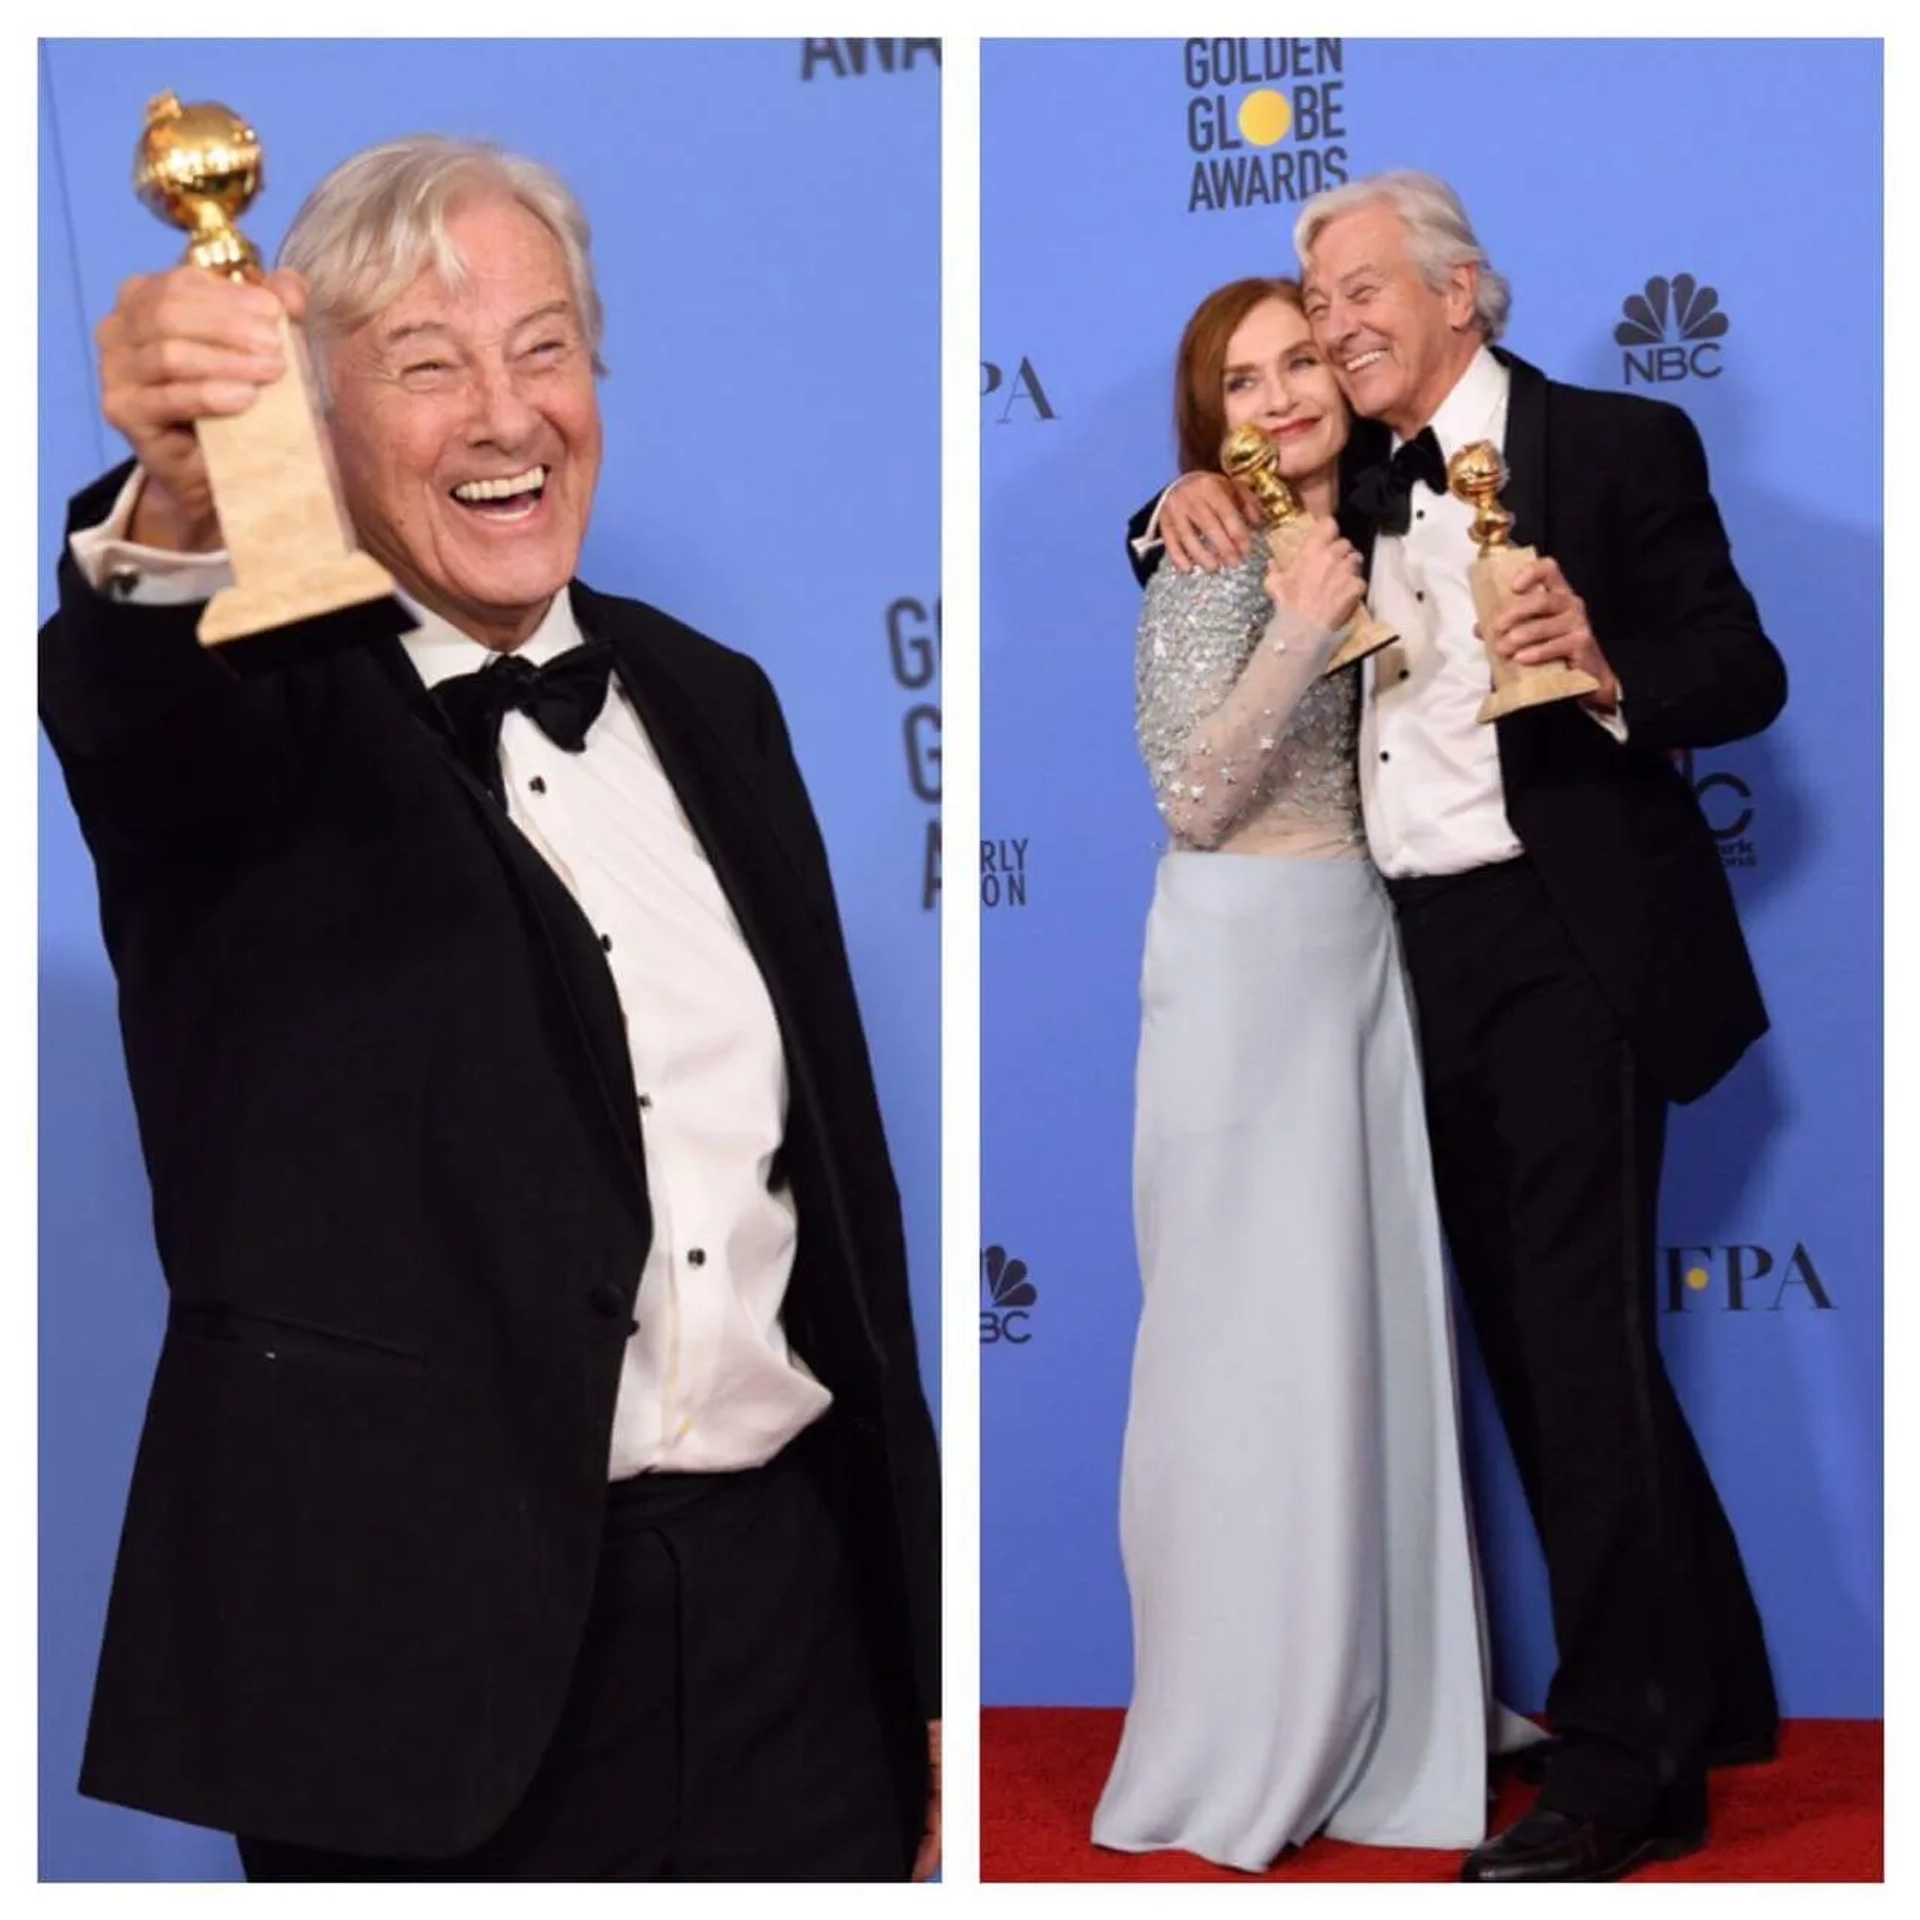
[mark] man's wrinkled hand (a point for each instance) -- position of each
(181, 347)
(1546, 620)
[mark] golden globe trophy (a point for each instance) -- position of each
(1248, 456)
(271, 468)
(1476, 474)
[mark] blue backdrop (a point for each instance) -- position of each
(766, 219)
(1592, 170)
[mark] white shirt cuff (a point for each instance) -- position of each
(1151, 538)
(110, 563)
(1616, 721)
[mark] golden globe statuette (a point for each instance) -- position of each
(1248, 456)
(271, 468)
(1476, 474)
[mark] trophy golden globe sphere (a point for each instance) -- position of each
(1245, 451)
(1476, 471)
(199, 167)
(1476, 474)
(1248, 456)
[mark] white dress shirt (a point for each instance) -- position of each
(1430, 785)
(709, 1383)
(1429, 771)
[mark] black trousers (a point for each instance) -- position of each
(1547, 1143)
(722, 1721)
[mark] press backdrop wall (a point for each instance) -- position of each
(1124, 180)
(766, 230)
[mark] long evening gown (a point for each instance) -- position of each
(1309, 1651)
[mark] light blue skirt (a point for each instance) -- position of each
(1308, 1643)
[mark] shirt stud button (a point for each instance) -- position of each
(696, 1257)
(646, 1103)
(537, 785)
(606, 943)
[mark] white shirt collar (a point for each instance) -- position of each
(439, 650)
(1472, 410)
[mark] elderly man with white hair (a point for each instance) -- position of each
(537, 1481)
(1575, 956)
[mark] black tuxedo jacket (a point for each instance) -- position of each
(1614, 487)
(399, 1196)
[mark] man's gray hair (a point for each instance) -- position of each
(1442, 235)
(371, 226)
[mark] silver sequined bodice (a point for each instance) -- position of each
(1248, 746)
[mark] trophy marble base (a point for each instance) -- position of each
(1516, 687)
(348, 581)
(1538, 687)
(278, 499)
(1365, 635)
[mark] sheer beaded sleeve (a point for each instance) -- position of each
(1239, 732)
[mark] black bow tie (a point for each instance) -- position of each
(563, 699)
(1383, 493)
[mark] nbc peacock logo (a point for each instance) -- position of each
(1727, 806)
(1008, 1299)
(1671, 330)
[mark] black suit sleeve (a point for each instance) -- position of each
(1695, 667)
(1143, 565)
(157, 735)
(913, 1450)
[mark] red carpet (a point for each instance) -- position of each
(1813, 1814)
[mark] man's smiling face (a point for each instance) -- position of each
(467, 428)
(1397, 344)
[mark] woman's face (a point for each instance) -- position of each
(1277, 379)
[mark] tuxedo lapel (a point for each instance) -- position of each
(1525, 494)
(390, 655)
(586, 982)
(1366, 446)
(737, 823)
(1526, 737)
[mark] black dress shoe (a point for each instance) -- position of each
(1556, 1846)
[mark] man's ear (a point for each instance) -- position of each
(1463, 285)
